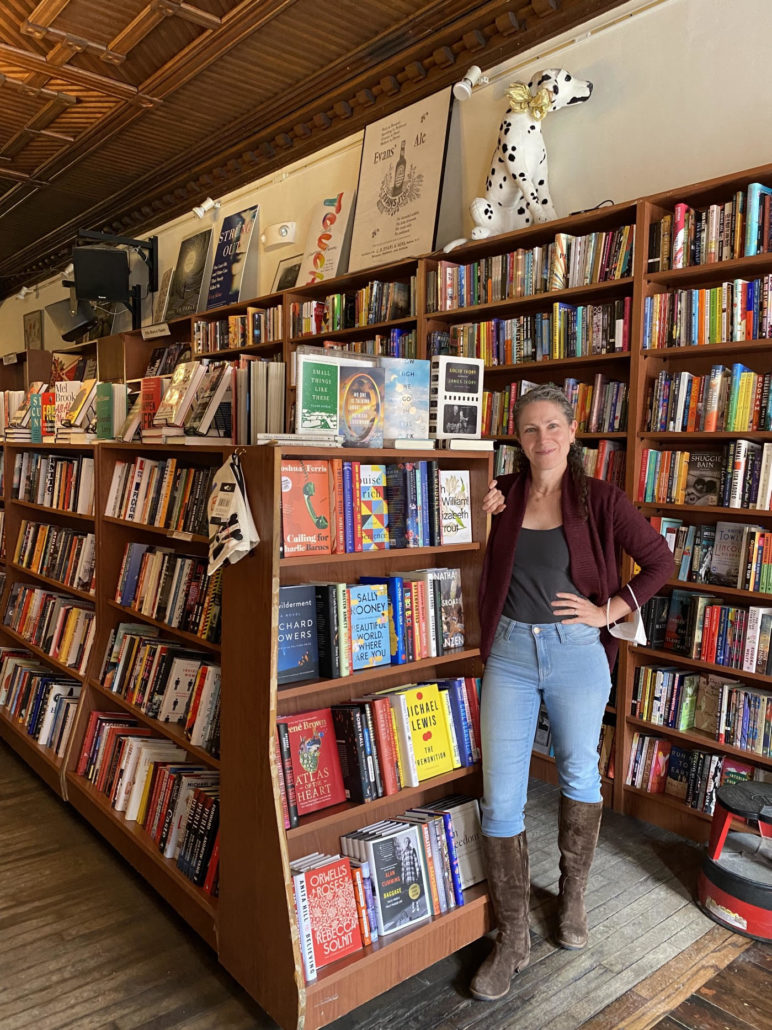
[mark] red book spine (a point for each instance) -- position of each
(337, 506)
(214, 864)
(381, 710)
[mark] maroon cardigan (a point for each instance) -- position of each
(593, 546)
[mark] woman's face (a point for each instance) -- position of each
(545, 435)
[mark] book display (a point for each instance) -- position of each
(345, 647)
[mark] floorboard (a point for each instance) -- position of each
(87, 945)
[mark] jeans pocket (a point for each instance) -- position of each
(579, 633)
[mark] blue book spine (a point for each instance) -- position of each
(395, 588)
(423, 467)
(396, 499)
(133, 565)
(412, 521)
(453, 856)
(369, 890)
(459, 721)
(648, 307)
(348, 507)
(458, 690)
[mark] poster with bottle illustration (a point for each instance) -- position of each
(400, 178)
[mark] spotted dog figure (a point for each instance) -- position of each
(517, 187)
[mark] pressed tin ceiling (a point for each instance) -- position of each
(119, 116)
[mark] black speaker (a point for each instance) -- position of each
(101, 273)
(72, 326)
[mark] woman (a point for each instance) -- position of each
(550, 568)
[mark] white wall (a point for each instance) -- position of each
(682, 93)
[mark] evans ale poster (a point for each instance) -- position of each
(400, 178)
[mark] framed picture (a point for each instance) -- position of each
(400, 178)
(33, 330)
(287, 273)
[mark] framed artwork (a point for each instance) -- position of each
(287, 273)
(400, 178)
(33, 330)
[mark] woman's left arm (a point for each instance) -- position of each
(635, 534)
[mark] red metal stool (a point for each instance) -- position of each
(735, 883)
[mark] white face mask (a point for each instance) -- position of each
(632, 631)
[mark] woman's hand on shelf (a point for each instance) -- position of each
(493, 502)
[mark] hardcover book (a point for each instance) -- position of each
(298, 649)
(406, 410)
(316, 407)
(373, 507)
(726, 556)
(455, 507)
(180, 395)
(703, 477)
(456, 397)
(400, 881)
(677, 780)
(315, 768)
(369, 625)
(305, 506)
(428, 730)
(332, 911)
(361, 403)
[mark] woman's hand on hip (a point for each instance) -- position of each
(493, 502)
(578, 609)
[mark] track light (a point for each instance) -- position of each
(278, 233)
(474, 76)
(25, 291)
(206, 205)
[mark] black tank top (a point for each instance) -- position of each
(541, 569)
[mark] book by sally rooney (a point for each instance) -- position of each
(369, 625)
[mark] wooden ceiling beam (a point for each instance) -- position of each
(19, 86)
(149, 18)
(190, 13)
(74, 44)
(76, 76)
(48, 11)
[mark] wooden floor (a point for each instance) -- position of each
(85, 944)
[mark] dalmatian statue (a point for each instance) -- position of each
(517, 188)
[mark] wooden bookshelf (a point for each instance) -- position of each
(262, 953)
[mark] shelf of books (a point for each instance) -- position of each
(375, 649)
(699, 702)
(148, 730)
(49, 618)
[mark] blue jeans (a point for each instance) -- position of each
(566, 667)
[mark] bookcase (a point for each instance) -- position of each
(59, 514)
(252, 924)
(262, 951)
(649, 361)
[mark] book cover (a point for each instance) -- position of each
(676, 637)
(658, 770)
(332, 911)
(373, 507)
(726, 557)
(235, 246)
(406, 398)
(455, 507)
(456, 397)
(703, 477)
(180, 394)
(677, 779)
(369, 625)
(452, 607)
(316, 774)
(305, 506)
(298, 649)
(428, 730)
(467, 836)
(361, 402)
(188, 280)
(316, 407)
(399, 877)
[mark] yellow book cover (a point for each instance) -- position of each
(428, 730)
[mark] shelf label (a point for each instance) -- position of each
(151, 332)
(176, 534)
(10, 359)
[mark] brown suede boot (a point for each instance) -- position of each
(506, 860)
(577, 836)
